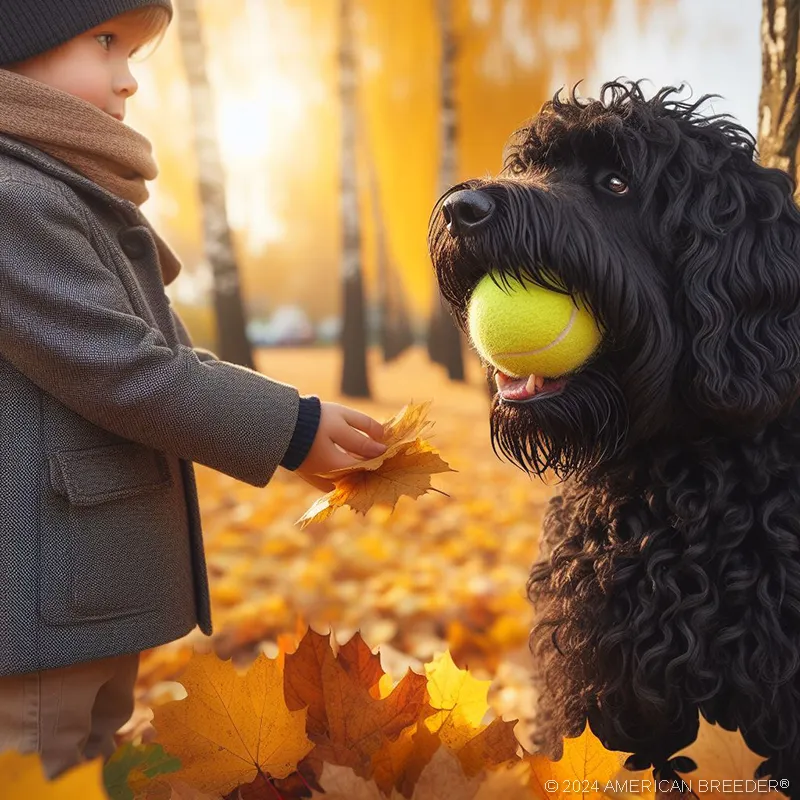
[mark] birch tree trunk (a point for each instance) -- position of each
(444, 337)
(355, 382)
(232, 344)
(779, 108)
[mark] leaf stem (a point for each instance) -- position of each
(268, 781)
(305, 782)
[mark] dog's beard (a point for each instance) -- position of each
(569, 432)
(618, 397)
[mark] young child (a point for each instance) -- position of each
(104, 404)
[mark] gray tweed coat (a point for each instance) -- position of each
(104, 404)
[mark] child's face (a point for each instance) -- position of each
(93, 66)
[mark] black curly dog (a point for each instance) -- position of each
(668, 581)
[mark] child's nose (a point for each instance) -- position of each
(126, 84)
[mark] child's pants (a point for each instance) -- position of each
(67, 714)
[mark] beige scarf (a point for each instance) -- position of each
(88, 140)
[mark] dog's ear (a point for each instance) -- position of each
(738, 292)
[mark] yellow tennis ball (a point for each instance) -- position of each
(524, 329)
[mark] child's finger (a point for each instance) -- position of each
(363, 422)
(339, 458)
(356, 443)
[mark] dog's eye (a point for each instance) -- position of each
(515, 166)
(615, 184)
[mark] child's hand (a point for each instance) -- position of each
(340, 427)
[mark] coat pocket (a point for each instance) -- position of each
(112, 533)
(102, 474)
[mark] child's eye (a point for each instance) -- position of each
(105, 40)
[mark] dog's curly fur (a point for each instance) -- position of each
(668, 581)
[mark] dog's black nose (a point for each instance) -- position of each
(466, 211)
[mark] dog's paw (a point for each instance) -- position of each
(671, 785)
(662, 768)
(637, 762)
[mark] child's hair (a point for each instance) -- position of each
(155, 20)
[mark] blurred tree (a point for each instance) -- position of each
(232, 344)
(779, 109)
(399, 330)
(394, 325)
(444, 337)
(355, 381)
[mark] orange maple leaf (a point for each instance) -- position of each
(405, 468)
(722, 755)
(584, 770)
(231, 728)
(357, 659)
(345, 718)
(409, 423)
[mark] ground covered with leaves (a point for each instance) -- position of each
(289, 698)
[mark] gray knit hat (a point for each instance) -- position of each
(29, 27)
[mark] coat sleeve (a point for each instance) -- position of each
(186, 339)
(307, 419)
(67, 324)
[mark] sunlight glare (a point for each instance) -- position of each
(244, 129)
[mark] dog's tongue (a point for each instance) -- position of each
(518, 388)
(511, 388)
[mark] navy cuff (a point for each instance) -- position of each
(304, 432)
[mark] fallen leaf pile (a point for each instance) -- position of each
(404, 469)
(324, 721)
(329, 722)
